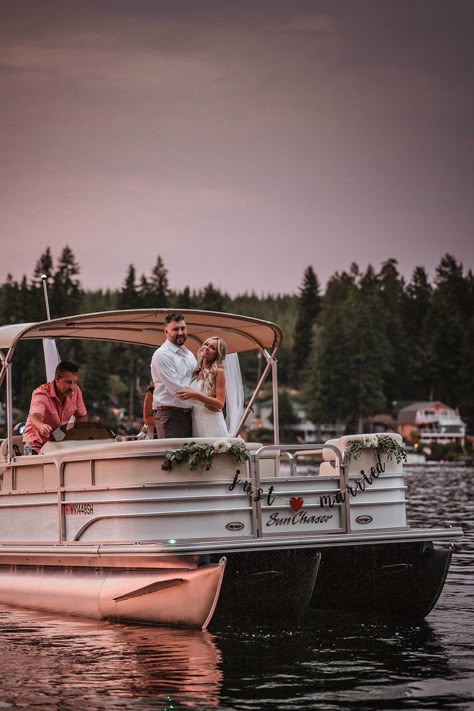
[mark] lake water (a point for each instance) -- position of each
(50, 662)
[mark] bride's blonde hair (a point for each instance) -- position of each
(209, 374)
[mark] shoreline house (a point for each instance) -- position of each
(431, 423)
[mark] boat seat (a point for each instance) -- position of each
(342, 442)
(17, 442)
(17, 451)
(330, 463)
(329, 468)
(88, 430)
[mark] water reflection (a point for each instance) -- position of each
(324, 659)
(441, 495)
(51, 662)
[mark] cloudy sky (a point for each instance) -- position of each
(241, 140)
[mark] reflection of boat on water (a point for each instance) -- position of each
(94, 525)
(118, 665)
(181, 665)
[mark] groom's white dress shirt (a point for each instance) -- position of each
(172, 369)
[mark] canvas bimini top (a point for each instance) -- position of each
(145, 327)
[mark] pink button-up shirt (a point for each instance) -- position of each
(45, 402)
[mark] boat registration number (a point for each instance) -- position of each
(78, 509)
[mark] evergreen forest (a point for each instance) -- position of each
(368, 344)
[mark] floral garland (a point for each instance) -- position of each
(197, 454)
(384, 443)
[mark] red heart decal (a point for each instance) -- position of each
(296, 504)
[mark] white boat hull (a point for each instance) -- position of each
(171, 596)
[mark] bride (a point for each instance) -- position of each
(207, 390)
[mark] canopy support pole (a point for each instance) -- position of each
(276, 422)
(271, 364)
(8, 366)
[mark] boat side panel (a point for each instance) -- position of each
(117, 471)
(27, 474)
(198, 510)
(189, 511)
(178, 525)
(29, 517)
(311, 504)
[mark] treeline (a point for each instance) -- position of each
(368, 344)
(379, 343)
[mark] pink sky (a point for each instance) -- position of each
(240, 141)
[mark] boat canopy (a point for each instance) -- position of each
(145, 327)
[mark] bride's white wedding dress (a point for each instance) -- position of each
(206, 423)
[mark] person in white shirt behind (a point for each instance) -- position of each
(172, 368)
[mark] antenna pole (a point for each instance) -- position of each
(44, 279)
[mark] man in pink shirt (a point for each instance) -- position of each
(53, 404)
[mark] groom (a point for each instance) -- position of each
(172, 368)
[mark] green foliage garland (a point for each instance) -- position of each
(383, 443)
(197, 454)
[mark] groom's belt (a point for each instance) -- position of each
(172, 407)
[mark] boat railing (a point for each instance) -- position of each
(292, 452)
(119, 491)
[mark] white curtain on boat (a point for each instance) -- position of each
(234, 390)
(51, 357)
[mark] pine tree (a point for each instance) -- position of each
(371, 349)
(417, 301)
(350, 357)
(26, 301)
(416, 305)
(158, 285)
(183, 299)
(309, 307)
(129, 297)
(329, 376)
(466, 374)
(10, 301)
(211, 299)
(66, 292)
(391, 288)
(94, 380)
(44, 265)
(286, 415)
(451, 309)
(144, 293)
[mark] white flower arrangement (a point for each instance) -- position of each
(369, 441)
(382, 442)
(203, 454)
(221, 446)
